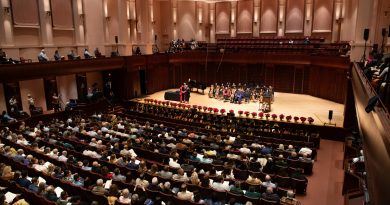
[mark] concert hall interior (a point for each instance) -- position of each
(194, 102)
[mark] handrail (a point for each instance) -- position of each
(367, 83)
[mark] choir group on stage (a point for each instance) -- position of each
(241, 93)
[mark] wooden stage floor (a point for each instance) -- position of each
(285, 103)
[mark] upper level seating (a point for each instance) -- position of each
(297, 45)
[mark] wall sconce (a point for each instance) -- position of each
(339, 20)
(48, 13)
(108, 18)
(7, 10)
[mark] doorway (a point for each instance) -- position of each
(50, 85)
(12, 90)
(142, 80)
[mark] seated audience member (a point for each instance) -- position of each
(252, 192)
(205, 182)
(305, 158)
(34, 185)
(125, 197)
(220, 184)
(24, 181)
(87, 55)
(165, 173)
(305, 150)
(99, 188)
(268, 183)
(41, 189)
(142, 167)
(117, 176)
(7, 173)
(57, 56)
(195, 178)
(184, 193)
(293, 156)
(42, 57)
(50, 194)
(113, 194)
(181, 176)
(289, 199)
(236, 189)
(73, 56)
(63, 200)
(141, 182)
(154, 185)
(173, 163)
(253, 180)
(270, 195)
(166, 188)
(290, 148)
(5, 118)
(98, 54)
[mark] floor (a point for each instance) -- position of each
(285, 103)
(326, 183)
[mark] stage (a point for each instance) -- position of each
(285, 103)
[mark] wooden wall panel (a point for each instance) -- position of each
(25, 13)
(222, 17)
(62, 15)
(186, 27)
(322, 16)
(283, 78)
(244, 16)
(294, 16)
(269, 13)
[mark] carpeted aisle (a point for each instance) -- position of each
(326, 182)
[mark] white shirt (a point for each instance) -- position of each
(245, 150)
(305, 150)
(220, 186)
(62, 158)
(173, 163)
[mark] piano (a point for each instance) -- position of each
(198, 85)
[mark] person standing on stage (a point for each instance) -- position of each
(31, 103)
(13, 104)
(55, 100)
(187, 94)
(182, 93)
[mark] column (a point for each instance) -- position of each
(121, 17)
(152, 22)
(199, 20)
(212, 22)
(233, 19)
(174, 18)
(256, 18)
(338, 20)
(107, 19)
(6, 30)
(45, 22)
(132, 21)
(281, 17)
(79, 17)
(308, 17)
